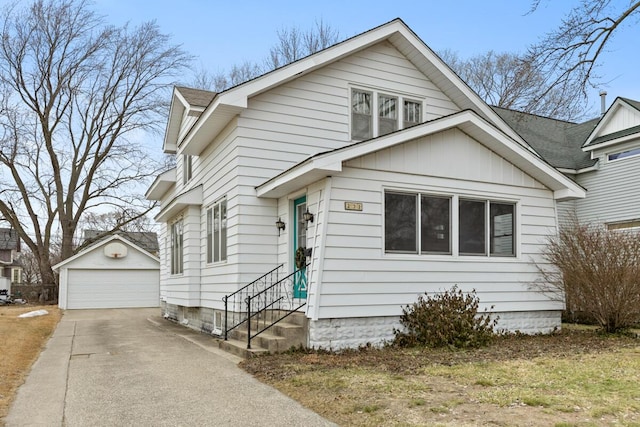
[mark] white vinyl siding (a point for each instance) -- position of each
(613, 193)
(280, 128)
(360, 279)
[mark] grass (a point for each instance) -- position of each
(21, 340)
(577, 377)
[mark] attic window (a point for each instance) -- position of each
(392, 112)
(624, 154)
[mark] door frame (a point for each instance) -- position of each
(300, 278)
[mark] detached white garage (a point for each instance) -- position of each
(113, 273)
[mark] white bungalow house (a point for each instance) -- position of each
(359, 177)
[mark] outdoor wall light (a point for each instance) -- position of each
(280, 225)
(308, 216)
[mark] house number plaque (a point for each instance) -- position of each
(353, 206)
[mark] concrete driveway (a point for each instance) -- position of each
(131, 367)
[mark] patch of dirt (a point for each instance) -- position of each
(332, 383)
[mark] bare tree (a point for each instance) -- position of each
(596, 272)
(293, 44)
(81, 96)
(568, 56)
(508, 80)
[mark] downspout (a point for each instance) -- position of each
(321, 250)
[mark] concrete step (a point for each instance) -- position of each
(272, 342)
(239, 348)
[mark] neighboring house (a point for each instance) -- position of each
(369, 173)
(112, 273)
(602, 155)
(10, 268)
(147, 240)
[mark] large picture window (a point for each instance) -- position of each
(177, 245)
(217, 232)
(484, 227)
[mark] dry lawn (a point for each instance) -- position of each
(21, 340)
(574, 378)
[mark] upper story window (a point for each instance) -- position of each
(412, 113)
(624, 154)
(217, 232)
(187, 168)
(177, 247)
(361, 119)
(422, 223)
(393, 112)
(387, 114)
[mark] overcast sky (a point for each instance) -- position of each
(223, 33)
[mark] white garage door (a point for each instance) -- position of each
(113, 288)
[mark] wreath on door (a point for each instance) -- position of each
(301, 258)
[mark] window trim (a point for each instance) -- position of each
(210, 217)
(375, 116)
(176, 253)
(454, 226)
(636, 153)
(187, 168)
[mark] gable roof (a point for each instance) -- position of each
(227, 104)
(558, 142)
(597, 138)
(99, 245)
(9, 239)
(470, 122)
(146, 240)
(183, 100)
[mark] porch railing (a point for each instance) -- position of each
(263, 302)
(273, 304)
(238, 299)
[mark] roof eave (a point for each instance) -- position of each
(193, 197)
(467, 121)
(161, 185)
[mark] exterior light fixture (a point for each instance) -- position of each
(280, 225)
(308, 216)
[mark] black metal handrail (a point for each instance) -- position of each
(273, 304)
(239, 297)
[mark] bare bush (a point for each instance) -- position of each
(597, 272)
(447, 319)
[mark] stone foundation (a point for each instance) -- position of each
(338, 334)
(201, 319)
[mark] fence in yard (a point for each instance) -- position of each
(35, 293)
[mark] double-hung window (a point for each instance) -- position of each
(217, 232)
(412, 113)
(361, 118)
(423, 223)
(387, 114)
(187, 168)
(375, 114)
(177, 247)
(481, 218)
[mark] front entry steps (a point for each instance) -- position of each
(289, 332)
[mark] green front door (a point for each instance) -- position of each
(299, 245)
